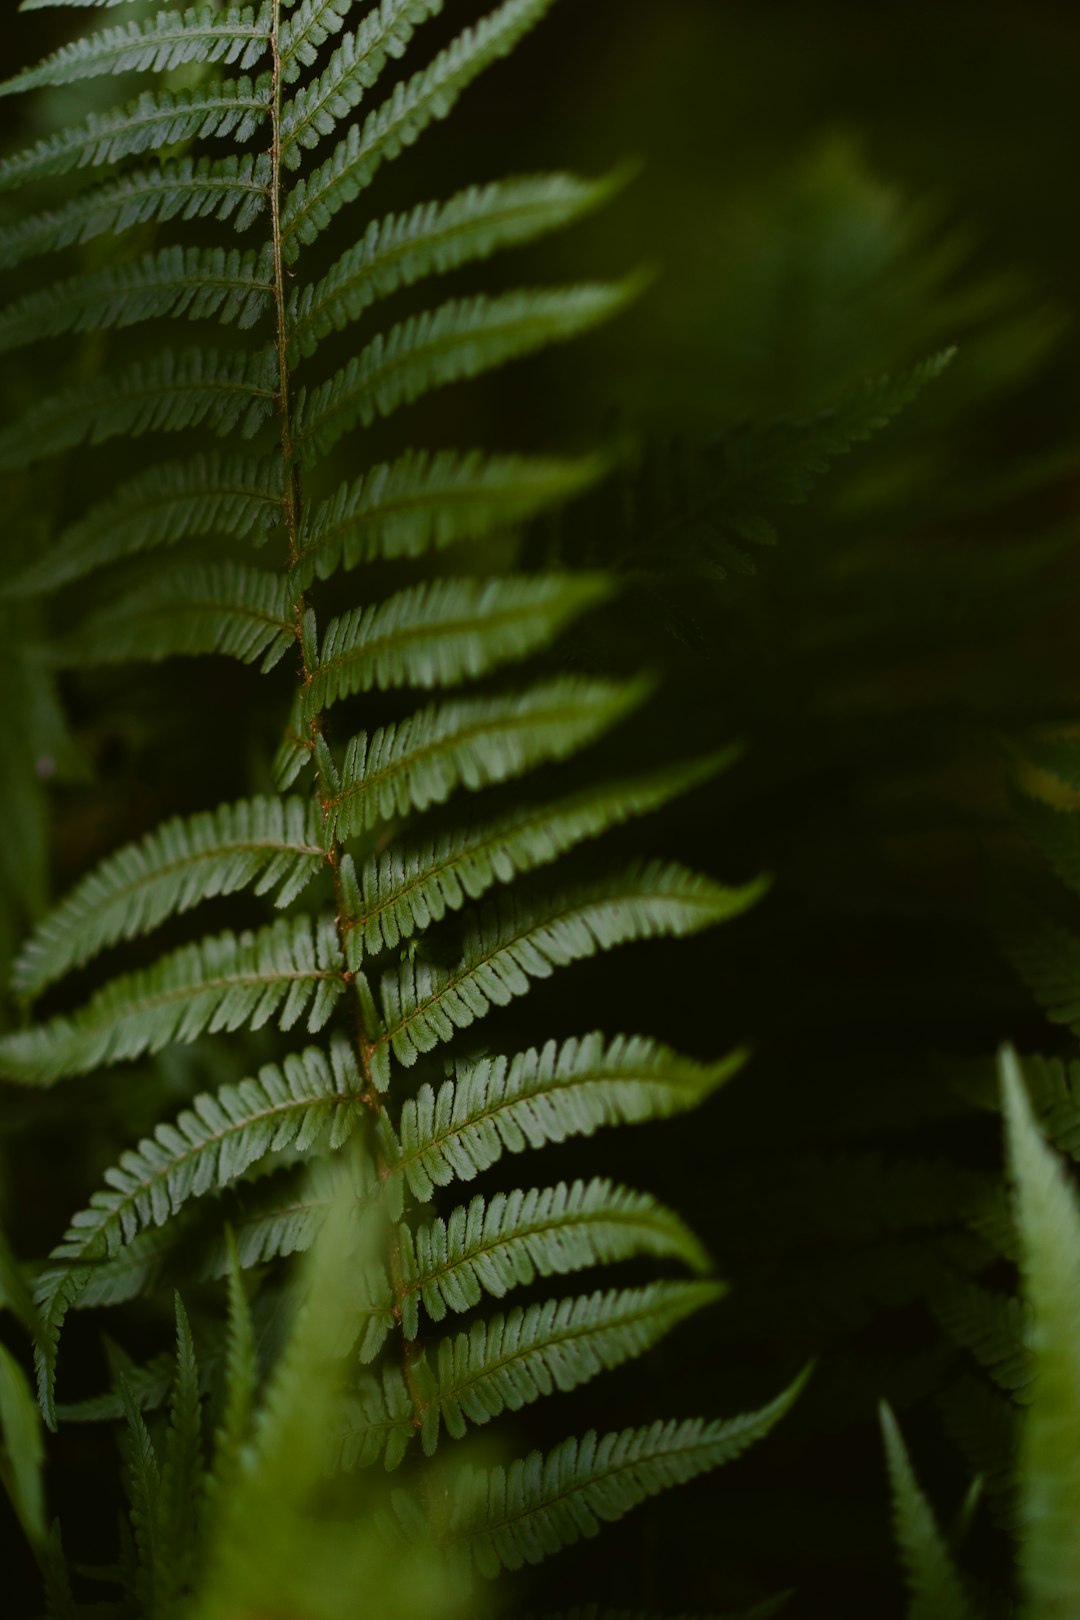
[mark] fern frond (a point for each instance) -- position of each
(433, 239)
(472, 743)
(408, 887)
(1048, 1218)
(210, 1144)
(181, 1472)
(312, 1094)
(243, 613)
(521, 1514)
(445, 631)
(134, 1270)
(44, 5)
(377, 1421)
(493, 1245)
(424, 502)
(937, 1590)
(992, 1326)
(149, 1385)
(353, 69)
(208, 494)
(410, 109)
(1046, 955)
(311, 24)
(241, 1377)
(267, 842)
(173, 391)
(512, 943)
(235, 187)
(372, 1312)
(157, 118)
(508, 1361)
(459, 340)
(278, 1221)
(199, 283)
(238, 37)
(785, 459)
(143, 1482)
(1054, 1087)
(507, 1104)
(289, 968)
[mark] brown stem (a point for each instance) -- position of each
(293, 508)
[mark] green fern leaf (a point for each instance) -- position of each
(43, 5)
(136, 1269)
(243, 613)
(149, 1385)
(371, 1315)
(937, 1591)
(208, 494)
(511, 943)
(311, 24)
(395, 125)
(157, 118)
(519, 1515)
(493, 1245)
(472, 743)
(355, 66)
(1046, 955)
(285, 970)
(782, 461)
(276, 1222)
(269, 843)
(1054, 1088)
(1048, 1217)
(233, 187)
(505, 1105)
(203, 33)
(226, 392)
(181, 1474)
(992, 1326)
(143, 1481)
(199, 283)
(406, 888)
(462, 338)
(436, 238)
(508, 1361)
(377, 1421)
(241, 1380)
(309, 1096)
(445, 631)
(420, 502)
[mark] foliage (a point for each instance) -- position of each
(355, 769)
(400, 928)
(1047, 1214)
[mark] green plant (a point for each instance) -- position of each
(400, 929)
(1047, 1215)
